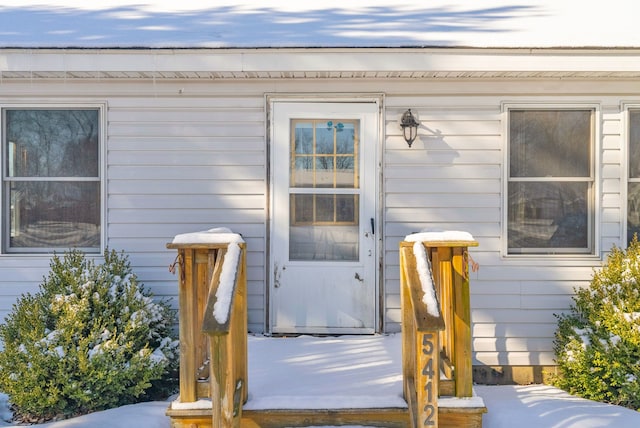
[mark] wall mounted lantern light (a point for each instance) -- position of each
(409, 126)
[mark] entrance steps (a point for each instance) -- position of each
(327, 381)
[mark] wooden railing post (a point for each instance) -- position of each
(213, 324)
(448, 255)
(462, 323)
(189, 331)
(420, 341)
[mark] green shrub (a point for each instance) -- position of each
(92, 338)
(597, 344)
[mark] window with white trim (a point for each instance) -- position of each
(633, 190)
(51, 179)
(550, 182)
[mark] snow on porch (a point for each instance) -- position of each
(329, 373)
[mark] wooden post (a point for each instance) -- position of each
(222, 383)
(441, 263)
(240, 346)
(187, 328)
(408, 328)
(420, 344)
(200, 271)
(451, 273)
(462, 324)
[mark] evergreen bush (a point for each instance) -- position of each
(597, 344)
(92, 338)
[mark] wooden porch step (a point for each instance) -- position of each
(449, 417)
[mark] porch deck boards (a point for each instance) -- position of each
(317, 381)
(325, 372)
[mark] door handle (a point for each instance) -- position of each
(373, 226)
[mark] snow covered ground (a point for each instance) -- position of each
(361, 371)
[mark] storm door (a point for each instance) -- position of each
(323, 242)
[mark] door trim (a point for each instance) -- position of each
(378, 99)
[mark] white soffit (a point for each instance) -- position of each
(318, 63)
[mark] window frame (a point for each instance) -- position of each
(592, 250)
(5, 214)
(628, 108)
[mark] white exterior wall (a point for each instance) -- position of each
(454, 177)
(186, 156)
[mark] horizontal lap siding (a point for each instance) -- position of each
(181, 163)
(452, 179)
(179, 167)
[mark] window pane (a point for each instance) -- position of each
(52, 143)
(324, 243)
(54, 214)
(302, 175)
(633, 211)
(324, 171)
(550, 143)
(324, 154)
(303, 138)
(301, 208)
(325, 209)
(345, 172)
(345, 138)
(548, 215)
(324, 137)
(347, 208)
(634, 144)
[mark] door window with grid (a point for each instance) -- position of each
(324, 190)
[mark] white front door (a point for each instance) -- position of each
(323, 235)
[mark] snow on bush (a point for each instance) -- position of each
(597, 344)
(92, 338)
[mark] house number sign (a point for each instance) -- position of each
(427, 397)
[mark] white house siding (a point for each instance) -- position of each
(183, 156)
(174, 164)
(453, 178)
(179, 165)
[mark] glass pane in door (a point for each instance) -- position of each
(324, 225)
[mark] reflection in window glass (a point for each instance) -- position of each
(345, 139)
(51, 179)
(324, 209)
(324, 227)
(304, 138)
(346, 208)
(324, 171)
(550, 200)
(550, 143)
(324, 154)
(324, 223)
(324, 138)
(633, 211)
(548, 215)
(52, 143)
(325, 212)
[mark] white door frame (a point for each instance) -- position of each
(376, 192)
